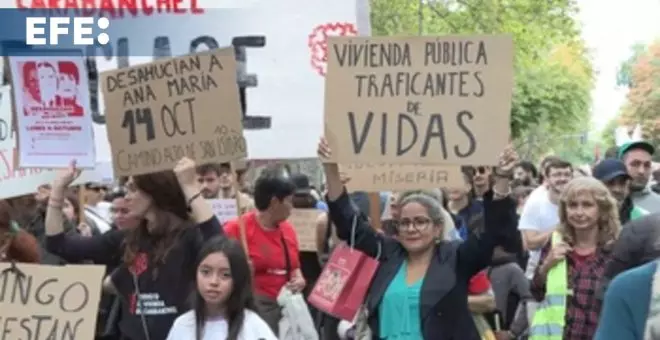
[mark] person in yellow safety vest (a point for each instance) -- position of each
(573, 262)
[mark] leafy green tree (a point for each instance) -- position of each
(624, 74)
(553, 72)
(643, 99)
(607, 134)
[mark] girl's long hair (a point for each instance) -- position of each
(608, 221)
(241, 297)
(167, 196)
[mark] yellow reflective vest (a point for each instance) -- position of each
(550, 317)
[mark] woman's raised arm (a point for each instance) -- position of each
(343, 213)
(500, 220)
(101, 249)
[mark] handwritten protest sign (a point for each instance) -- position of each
(50, 302)
(382, 177)
(225, 209)
(419, 100)
(304, 222)
(158, 113)
(14, 181)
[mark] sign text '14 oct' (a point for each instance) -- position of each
(165, 110)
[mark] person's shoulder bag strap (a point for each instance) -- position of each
(287, 257)
(328, 236)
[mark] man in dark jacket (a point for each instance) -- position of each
(612, 172)
(638, 243)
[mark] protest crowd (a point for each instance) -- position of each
(470, 262)
(420, 225)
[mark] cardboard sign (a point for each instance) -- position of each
(158, 113)
(419, 100)
(50, 302)
(17, 182)
(384, 177)
(225, 209)
(54, 122)
(304, 221)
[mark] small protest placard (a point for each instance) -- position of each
(53, 115)
(50, 302)
(159, 112)
(304, 222)
(382, 177)
(419, 100)
(225, 209)
(17, 181)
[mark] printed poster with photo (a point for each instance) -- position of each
(54, 122)
(17, 182)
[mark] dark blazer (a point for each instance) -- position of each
(443, 306)
(638, 243)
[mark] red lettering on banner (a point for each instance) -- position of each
(147, 9)
(8, 172)
(6, 165)
(114, 8)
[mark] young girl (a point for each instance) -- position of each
(224, 307)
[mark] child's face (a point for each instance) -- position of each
(214, 281)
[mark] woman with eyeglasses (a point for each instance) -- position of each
(421, 286)
(95, 205)
(481, 181)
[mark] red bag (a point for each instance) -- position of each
(343, 284)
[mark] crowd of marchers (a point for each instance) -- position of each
(519, 251)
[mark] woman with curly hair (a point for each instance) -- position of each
(15, 244)
(573, 262)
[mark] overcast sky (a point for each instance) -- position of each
(610, 28)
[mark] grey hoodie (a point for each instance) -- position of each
(646, 199)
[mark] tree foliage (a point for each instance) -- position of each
(607, 134)
(553, 72)
(624, 74)
(643, 99)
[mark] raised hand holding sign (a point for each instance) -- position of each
(160, 112)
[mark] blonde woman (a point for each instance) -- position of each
(573, 262)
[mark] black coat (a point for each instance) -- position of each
(638, 243)
(443, 305)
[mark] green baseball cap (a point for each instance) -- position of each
(646, 146)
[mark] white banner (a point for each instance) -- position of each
(280, 49)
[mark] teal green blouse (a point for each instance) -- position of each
(398, 313)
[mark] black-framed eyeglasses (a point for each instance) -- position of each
(416, 223)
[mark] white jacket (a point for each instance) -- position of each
(296, 322)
